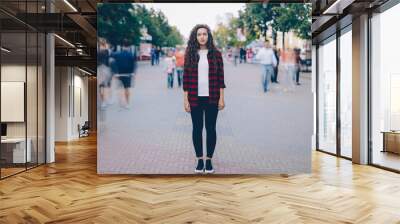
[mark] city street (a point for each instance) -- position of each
(257, 132)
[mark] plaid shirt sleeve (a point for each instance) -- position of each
(221, 80)
(185, 78)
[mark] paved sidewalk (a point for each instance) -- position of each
(257, 133)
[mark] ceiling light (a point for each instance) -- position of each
(70, 5)
(64, 40)
(5, 50)
(84, 71)
(338, 6)
(330, 7)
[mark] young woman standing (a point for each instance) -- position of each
(203, 85)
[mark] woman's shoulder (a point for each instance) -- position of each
(217, 52)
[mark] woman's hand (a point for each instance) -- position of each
(186, 105)
(221, 104)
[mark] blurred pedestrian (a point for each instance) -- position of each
(250, 55)
(170, 68)
(288, 59)
(180, 60)
(229, 54)
(157, 55)
(126, 64)
(242, 55)
(203, 85)
(276, 70)
(297, 65)
(153, 55)
(104, 75)
(266, 57)
(236, 54)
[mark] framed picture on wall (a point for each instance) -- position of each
(12, 101)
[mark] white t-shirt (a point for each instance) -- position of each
(203, 74)
(266, 56)
(169, 64)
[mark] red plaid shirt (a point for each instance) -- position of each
(215, 78)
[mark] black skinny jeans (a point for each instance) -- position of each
(210, 111)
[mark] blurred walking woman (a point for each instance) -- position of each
(203, 85)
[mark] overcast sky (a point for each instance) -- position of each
(186, 15)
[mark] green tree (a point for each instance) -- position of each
(158, 27)
(148, 20)
(294, 17)
(174, 38)
(303, 28)
(285, 21)
(117, 22)
(226, 35)
(233, 25)
(220, 35)
(255, 18)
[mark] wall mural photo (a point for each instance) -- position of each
(197, 88)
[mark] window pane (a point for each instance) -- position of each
(386, 89)
(327, 96)
(13, 86)
(346, 93)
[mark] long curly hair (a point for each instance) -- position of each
(191, 55)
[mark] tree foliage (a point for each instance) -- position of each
(257, 17)
(113, 23)
(119, 21)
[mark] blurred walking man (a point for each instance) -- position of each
(267, 59)
(126, 64)
(180, 61)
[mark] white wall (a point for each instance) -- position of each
(12, 73)
(33, 127)
(71, 93)
(62, 81)
(80, 94)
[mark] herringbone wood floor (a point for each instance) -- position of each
(70, 191)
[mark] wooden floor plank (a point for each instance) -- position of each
(70, 191)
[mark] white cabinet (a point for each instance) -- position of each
(19, 154)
